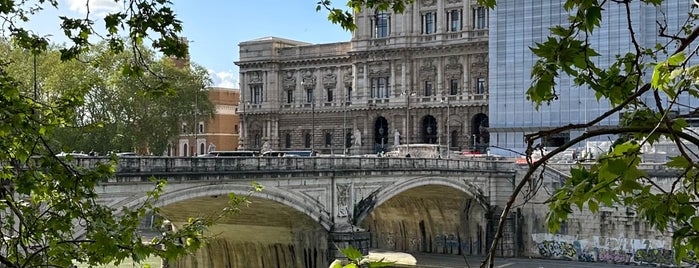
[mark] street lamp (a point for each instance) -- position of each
(313, 121)
(243, 127)
(448, 132)
(407, 120)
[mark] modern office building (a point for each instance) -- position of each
(517, 25)
(416, 77)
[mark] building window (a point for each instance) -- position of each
(453, 86)
(454, 139)
(287, 140)
(428, 88)
(328, 139)
(429, 22)
(382, 22)
(309, 95)
(184, 149)
(349, 94)
(307, 140)
(290, 96)
(258, 141)
(256, 93)
(380, 88)
(201, 148)
(480, 18)
(455, 17)
(237, 131)
(480, 85)
(184, 128)
(201, 127)
(348, 139)
(330, 95)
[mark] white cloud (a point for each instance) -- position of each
(227, 79)
(96, 6)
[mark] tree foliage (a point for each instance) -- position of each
(117, 114)
(643, 86)
(49, 211)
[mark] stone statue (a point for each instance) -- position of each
(265, 147)
(212, 147)
(357, 137)
(396, 138)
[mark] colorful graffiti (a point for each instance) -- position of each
(604, 249)
(654, 256)
(556, 250)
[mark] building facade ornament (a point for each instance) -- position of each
(309, 79)
(454, 69)
(427, 71)
(330, 79)
(379, 69)
(255, 78)
(289, 82)
(347, 77)
(428, 3)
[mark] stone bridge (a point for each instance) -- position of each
(310, 205)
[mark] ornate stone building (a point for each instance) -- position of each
(416, 77)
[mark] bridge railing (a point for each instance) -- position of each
(266, 164)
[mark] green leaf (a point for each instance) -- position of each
(678, 162)
(351, 253)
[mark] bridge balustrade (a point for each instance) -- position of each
(149, 164)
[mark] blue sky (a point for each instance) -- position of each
(215, 28)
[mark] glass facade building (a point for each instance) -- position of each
(517, 25)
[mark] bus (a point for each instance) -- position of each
(289, 154)
(231, 154)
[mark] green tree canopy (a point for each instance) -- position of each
(49, 213)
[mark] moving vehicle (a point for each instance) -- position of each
(289, 154)
(231, 154)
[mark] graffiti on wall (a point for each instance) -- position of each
(556, 250)
(604, 249)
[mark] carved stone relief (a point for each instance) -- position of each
(309, 79)
(428, 71)
(289, 81)
(428, 3)
(330, 79)
(453, 69)
(379, 69)
(347, 77)
(343, 200)
(255, 78)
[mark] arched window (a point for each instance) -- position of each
(184, 149)
(201, 148)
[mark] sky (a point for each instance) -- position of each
(216, 27)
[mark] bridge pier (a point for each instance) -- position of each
(360, 240)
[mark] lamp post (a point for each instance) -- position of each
(447, 127)
(344, 127)
(407, 121)
(243, 127)
(313, 121)
(196, 124)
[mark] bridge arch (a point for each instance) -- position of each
(304, 204)
(375, 199)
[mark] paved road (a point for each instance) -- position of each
(452, 261)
